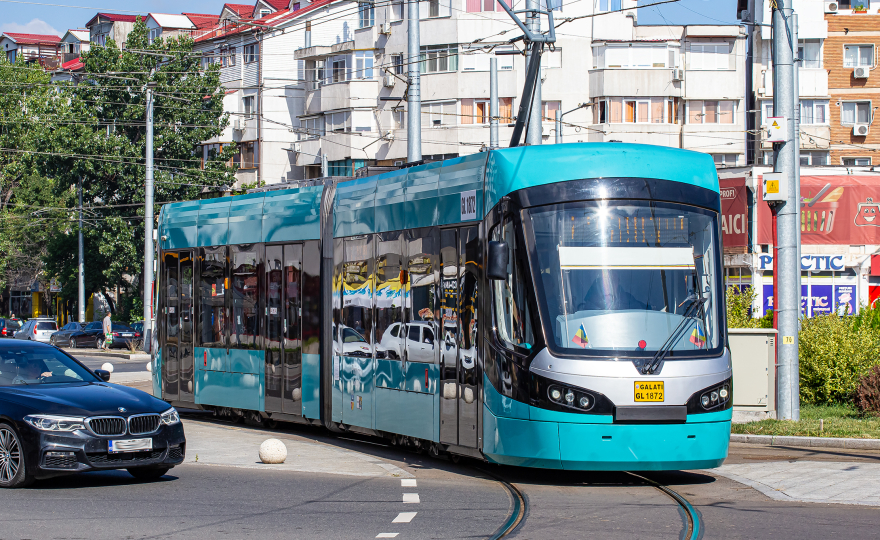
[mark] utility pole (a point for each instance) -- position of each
(81, 299)
(559, 115)
(533, 23)
(414, 97)
(493, 102)
(148, 226)
(786, 161)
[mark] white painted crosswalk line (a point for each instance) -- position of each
(408, 482)
(404, 517)
(411, 498)
(387, 535)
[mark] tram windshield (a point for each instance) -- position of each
(627, 278)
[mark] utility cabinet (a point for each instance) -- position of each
(753, 357)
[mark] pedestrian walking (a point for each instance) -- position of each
(108, 332)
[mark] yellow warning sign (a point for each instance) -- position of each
(775, 124)
(772, 186)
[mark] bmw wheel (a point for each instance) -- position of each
(71, 343)
(13, 471)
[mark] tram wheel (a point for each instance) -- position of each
(434, 451)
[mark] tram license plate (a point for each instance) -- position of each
(130, 445)
(649, 391)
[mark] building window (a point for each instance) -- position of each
(362, 120)
(710, 112)
(264, 12)
(814, 158)
(311, 128)
(478, 59)
(339, 71)
(476, 6)
(397, 10)
(227, 56)
(439, 113)
(609, 5)
(856, 162)
(634, 55)
(438, 58)
(249, 106)
(337, 122)
(858, 55)
(365, 14)
(154, 34)
(549, 108)
(248, 155)
(476, 111)
(810, 53)
(363, 65)
(250, 53)
(709, 56)
(850, 4)
(813, 111)
(725, 160)
(314, 74)
(399, 118)
(635, 111)
(855, 112)
(397, 62)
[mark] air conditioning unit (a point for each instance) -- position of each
(831, 7)
(236, 125)
(860, 130)
(677, 74)
(861, 72)
(398, 163)
(295, 147)
(388, 81)
(384, 28)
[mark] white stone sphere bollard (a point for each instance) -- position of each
(150, 366)
(273, 451)
(296, 394)
(107, 366)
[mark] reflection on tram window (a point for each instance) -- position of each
(391, 284)
(245, 329)
(422, 247)
(512, 318)
(357, 294)
(631, 276)
(212, 297)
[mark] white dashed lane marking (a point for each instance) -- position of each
(411, 498)
(387, 535)
(404, 517)
(408, 482)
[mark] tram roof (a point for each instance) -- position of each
(421, 196)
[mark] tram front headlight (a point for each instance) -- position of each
(723, 392)
(569, 397)
(584, 402)
(704, 401)
(555, 394)
(713, 396)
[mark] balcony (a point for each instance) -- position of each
(319, 52)
(633, 82)
(812, 82)
(342, 95)
(720, 84)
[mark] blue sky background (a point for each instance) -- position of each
(43, 19)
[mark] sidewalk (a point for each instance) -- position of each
(113, 353)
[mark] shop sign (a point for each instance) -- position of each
(820, 299)
(808, 262)
(734, 212)
(54, 286)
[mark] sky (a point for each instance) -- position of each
(31, 17)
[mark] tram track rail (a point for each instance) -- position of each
(692, 526)
(519, 507)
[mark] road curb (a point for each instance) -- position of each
(98, 354)
(810, 442)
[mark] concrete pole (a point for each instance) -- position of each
(414, 98)
(558, 126)
(493, 102)
(324, 169)
(533, 135)
(148, 227)
(787, 233)
(81, 299)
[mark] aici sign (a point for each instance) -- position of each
(809, 262)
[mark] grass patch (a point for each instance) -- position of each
(839, 421)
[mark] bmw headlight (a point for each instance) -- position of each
(170, 417)
(46, 422)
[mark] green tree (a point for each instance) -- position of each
(100, 140)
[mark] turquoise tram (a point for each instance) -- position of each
(554, 306)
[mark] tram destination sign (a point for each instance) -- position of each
(468, 205)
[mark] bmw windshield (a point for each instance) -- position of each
(44, 365)
(627, 278)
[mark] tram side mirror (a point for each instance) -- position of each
(499, 256)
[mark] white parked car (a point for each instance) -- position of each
(40, 329)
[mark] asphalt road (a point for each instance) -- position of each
(120, 365)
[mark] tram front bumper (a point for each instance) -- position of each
(701, 443)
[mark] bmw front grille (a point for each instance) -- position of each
(107, 425)
(143, 424)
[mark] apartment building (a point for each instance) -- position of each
(42, 48)
(681, 86)
(168, 26)
(106, 26)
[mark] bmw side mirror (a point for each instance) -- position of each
(499, 256)
(103, 374)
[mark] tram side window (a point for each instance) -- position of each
(390, 289)
(212, 297)
(245, 277)
(422, 250)
(357, 290)
(512, 318)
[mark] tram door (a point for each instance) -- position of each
(185, 321)
(283, 312)
(171, 324)
(459, 392)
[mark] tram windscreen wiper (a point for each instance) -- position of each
(677, 333)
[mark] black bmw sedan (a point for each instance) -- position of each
(57, 417)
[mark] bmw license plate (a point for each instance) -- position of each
(127, 335)
(130, 445)
(648, 391)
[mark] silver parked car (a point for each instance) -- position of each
(40, 329)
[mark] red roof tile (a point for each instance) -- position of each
(115, 17)
(33, 39)
(241, 9)
(278, 4)
(202, 20)
(269, 20)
